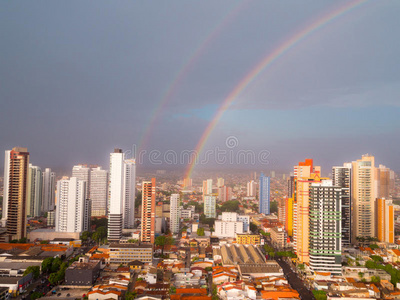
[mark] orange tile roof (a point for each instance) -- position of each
(105, 293)
(9, 246)
(191, 291)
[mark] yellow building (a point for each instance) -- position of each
(289, 216)
(246, 239)
(305, 174)
(385, 220)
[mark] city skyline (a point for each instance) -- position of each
(131, 76)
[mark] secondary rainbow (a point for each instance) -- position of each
(263, 64)
(186, 67)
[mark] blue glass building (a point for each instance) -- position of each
(263, 195)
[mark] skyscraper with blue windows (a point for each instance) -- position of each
(263, 195)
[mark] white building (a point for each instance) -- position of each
(82, 172)
(34, 195)
(230, 224)
(209, 206)
(174, 213)
(70, 210)
(251, 189)
(48, 190)
(98, 191)
(115, 195)
(128, 214)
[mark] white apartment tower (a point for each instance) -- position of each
(174, 214)
(251, 188)
(209, 206)
(48, 190)
(34, 196)
(82, 172)
(70, 210)
(98, 191)
(115, 195)
(129, 193)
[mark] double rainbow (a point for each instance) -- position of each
(184, 70)
(263, 64)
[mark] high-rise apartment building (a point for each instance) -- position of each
(98, 191)
(82, 172)
(115, 195)
(342, 178)
(305, 173)
(129, 193)
(148, 211)
(264, 194)
(48, 190)
(385, 182)
(71, 210)
(224, 193)
(363, 193)
(174, 214)
(209, 206)
(251, 188)
(385, 220)
(220, 182)
(207, 187)
(34, 198)
(16, 167)
(325, 229)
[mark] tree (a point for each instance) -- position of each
(130, 295)
(160, 241)
(319, 295)
(55, 266)
(53, 278)
(35, 295)
(200, 231)
(375, 279)
(253, 228)
(35, 270)
(361, 275)
(172, 290)
(274, 207)
(230, 206)
(85, 236)
(374, 246)
(377, 258)
(46, 264)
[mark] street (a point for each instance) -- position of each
(294, 281)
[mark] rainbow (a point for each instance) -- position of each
(186, 67)
(262, 65)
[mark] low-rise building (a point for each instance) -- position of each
(248, 239)
(278, 236)
(125, 253)
(82, 273)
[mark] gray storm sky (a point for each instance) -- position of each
(78, 78)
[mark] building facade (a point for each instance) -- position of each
(16, 168)
(49, 190)
(148, 211)
(34, 198)
(115, 195)
(363, 197)
(128, 215)
(209, 206)
(126, 253)
(325, 234)
(342, 178)
(98, 191)
(71, 208)
(264, 194)
(175, 217)
(385, 220)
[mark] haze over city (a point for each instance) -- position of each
(78, 80)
